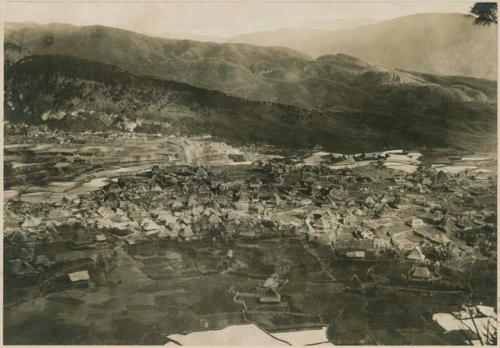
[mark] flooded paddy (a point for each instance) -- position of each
(42, 172)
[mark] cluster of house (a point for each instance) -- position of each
(363, 213)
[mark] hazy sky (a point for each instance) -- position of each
(218, 18)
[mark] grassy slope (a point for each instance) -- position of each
(333, 82)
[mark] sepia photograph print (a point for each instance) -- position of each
(256, 173)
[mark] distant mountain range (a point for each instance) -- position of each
(190, 36)
(447, 44)
(318, 24)
(335, 23)
(239, 92)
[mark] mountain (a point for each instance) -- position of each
(388, 109)
(10, 27)
(329, 83)
(336, 23)
(447, 44)
(321, 24)
(191, 36)
(242, 70)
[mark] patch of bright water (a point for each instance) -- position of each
(409, 168)
(404, 162)
(398, 161)
(485, 320)
(250, 335)
(453, 169)
(476, 158)
(9, 194)
(97, 183)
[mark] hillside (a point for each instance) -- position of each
(447, 44)
(336, 23)
(76, 94)
(331, 82)
(235, 68)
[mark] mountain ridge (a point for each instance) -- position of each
(435, 43)
(251, 72)
(74, 93)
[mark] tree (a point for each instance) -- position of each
(485, 13)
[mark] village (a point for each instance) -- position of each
(390, 223)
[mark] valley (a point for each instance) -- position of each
(333, 187)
